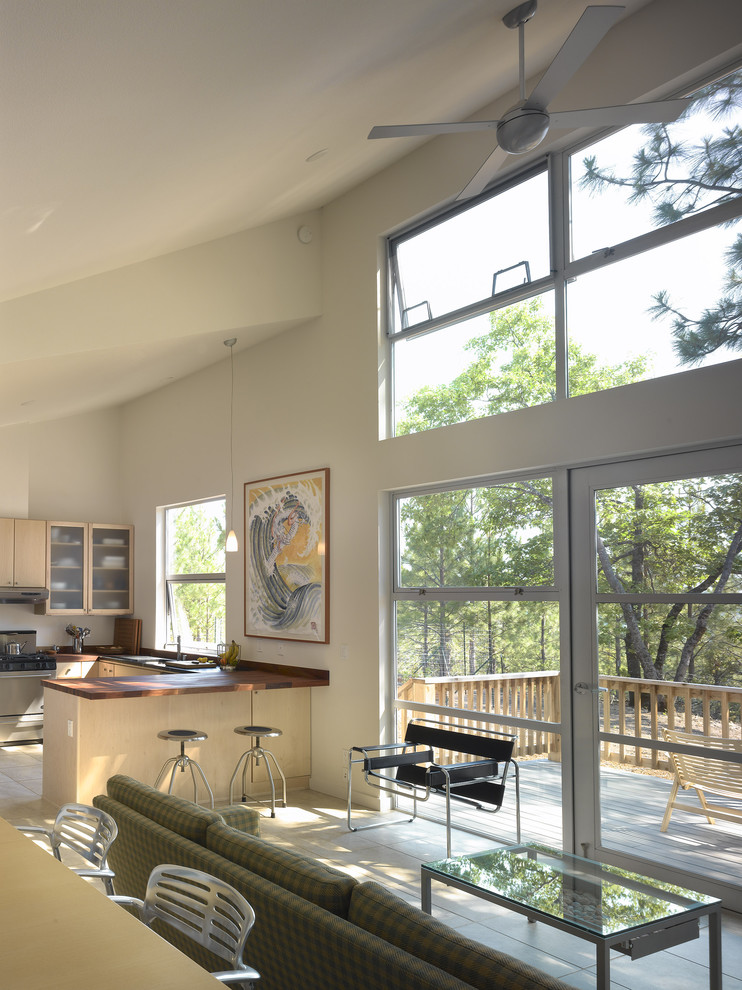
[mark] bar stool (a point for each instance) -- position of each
(183, 736)
(255, 752)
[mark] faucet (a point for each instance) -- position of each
(179, 654)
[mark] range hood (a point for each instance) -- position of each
(23, 596)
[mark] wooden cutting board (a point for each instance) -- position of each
(127, 633)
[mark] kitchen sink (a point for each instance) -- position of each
(160, 663)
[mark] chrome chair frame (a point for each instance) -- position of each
(419, 775)
(206, 909)
(89, 832)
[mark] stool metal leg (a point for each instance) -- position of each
(244, 757)
(266, 753)
(193, 764)
(182, 762)
(255, 753)
(174, 760)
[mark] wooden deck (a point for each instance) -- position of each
(633, 805)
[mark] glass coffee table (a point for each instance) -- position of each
(610, 907)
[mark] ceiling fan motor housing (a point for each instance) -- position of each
(522, 129)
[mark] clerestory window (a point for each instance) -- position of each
(613, 263)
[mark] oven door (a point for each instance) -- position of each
(22, 705)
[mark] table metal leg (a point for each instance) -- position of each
(603, 954)
(715, 950)
(425, 897)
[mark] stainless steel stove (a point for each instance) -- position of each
(22, 670)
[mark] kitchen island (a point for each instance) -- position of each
(96, 727)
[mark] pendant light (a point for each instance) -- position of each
(232, 544)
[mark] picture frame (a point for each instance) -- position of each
(287, 574)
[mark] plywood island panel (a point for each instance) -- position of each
(94, 729)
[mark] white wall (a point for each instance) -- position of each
(66, 470)
(309, 398)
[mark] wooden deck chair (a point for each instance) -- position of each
(704, 773)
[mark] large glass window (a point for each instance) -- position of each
(460, 342)
(484, 300)
(472, 254)
(195, 574)
(473, 569)
(476, 621)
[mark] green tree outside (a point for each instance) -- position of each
(196, 546)
(679, 536)
(680, 178)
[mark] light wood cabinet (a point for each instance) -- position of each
(290, 711)
(115, 668)
(90, 569)
(135, 670)
(7, 552)
(22, 553)
(72, 667)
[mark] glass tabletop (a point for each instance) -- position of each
(601, 899)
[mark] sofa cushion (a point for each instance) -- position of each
(177, 814)
(378, 910)
(240, 817)
(322, 885)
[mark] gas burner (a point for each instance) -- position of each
(27, 661)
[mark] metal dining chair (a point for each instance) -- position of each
(87, 831)
(206, 909)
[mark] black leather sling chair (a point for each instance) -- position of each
(416, 774)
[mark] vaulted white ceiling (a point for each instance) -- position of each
(133, 128)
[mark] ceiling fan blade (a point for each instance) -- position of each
(418, 130)
(660, 112)
(484, 174)
(586, 35)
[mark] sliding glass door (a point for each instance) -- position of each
(656, 606)
(478, 631)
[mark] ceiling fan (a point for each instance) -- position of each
(526, 124)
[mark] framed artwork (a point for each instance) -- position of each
(287, 557)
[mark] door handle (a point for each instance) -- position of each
(582, 688)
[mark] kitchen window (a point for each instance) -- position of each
(195, 580)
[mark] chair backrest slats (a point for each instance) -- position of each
(205, 908)
(86, 830)
(704, 770)
(422, 732)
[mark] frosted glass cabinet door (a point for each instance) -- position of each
(90, 569)
(110, 568)
(67, 568)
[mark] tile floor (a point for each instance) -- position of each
(315, 824)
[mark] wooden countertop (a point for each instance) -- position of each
(257, 677)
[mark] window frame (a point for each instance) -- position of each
(400, 592)
(564, 268)
(477, 307)
(172, 579)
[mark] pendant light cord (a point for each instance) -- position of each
(231, 534)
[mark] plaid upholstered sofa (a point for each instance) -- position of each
(316, 928)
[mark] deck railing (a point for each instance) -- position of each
(628, 707)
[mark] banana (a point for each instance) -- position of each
(230, 655)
